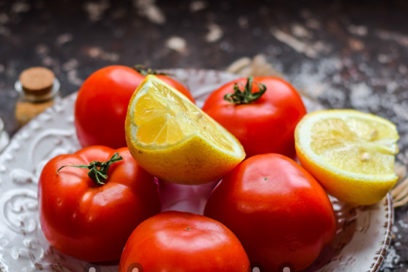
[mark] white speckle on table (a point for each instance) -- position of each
(70, 68)
(403, 224)
(355, 44)
(73, 78)
(70, 64)
(300, 31)
(391, 258)
(214, 34)
(99, 53)
(361, 95)
(64, 38)
(258, 66)
(383, 58)
(20, 6)
(294, 43)
(177, 44)
(96, 10)
(402, 111)
(42, 49)
(197, 6)
(243, 21)
(358, 30)
(149, 10)
(393, 36)
(301, 39)
(48, 61)
(312, 79)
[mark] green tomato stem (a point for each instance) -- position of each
(144, 71)
(98, 171)
(245, 96)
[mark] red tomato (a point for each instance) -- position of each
(261, 112)
(181, 241)
(88, 215)
(102, 101)
(279, 212)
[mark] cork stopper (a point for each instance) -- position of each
(37, 80)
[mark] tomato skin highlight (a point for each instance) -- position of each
(182, 241)
(280, 213)
(88, 221)
(265, 125)
(102, 102)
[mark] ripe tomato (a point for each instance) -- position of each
(279, 212)
(181, 241)
(102, 101)
(261, 112)
(89, 204)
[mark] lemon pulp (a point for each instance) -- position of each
(174, 139)
(350, 152)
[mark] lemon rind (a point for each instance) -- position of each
(237, 150)
(320, 162)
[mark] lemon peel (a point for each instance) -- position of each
(350, 152)
(173, 139)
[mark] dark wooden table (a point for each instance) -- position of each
(342, 53)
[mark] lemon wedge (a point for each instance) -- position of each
(173, 139)
(350, 152)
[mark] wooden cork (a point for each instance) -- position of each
(37, 80)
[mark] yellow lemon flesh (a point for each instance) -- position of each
(351, 153)
(174, 139)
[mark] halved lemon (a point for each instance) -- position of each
(350, 152)
(174, 139)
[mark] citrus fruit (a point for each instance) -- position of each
(173, 139)
(350, 152)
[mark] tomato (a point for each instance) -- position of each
(279, 212)
(182, 241)
(102, 101)
(90, 201)
(262, 112)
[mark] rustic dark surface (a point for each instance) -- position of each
(343, 53)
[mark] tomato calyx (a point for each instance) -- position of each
(98, 171)
(144, 71)
(245, 96)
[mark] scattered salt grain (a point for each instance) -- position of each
(361, 96)
(358, 30)
(197, 5)
(20, 6)
(96, 10)
(300, 31)
(177, 44)
(64, 38)
(149, 10)
(99, 53)
(214, 34)
(294, 43)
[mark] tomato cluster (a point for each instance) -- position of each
(99, 205)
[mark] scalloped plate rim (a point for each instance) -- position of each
(381, 214)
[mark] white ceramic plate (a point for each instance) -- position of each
(361, 243)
